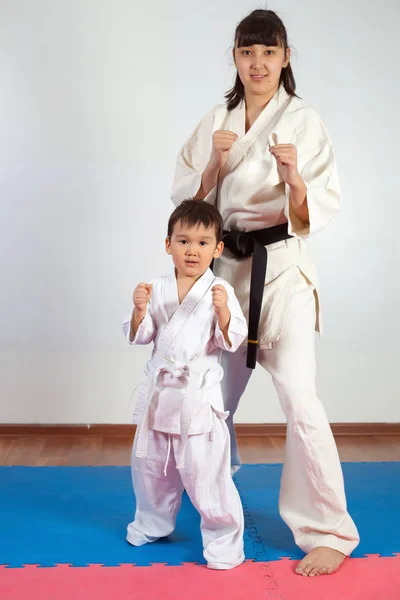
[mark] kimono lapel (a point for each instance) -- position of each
(171, 299)
(184, 310)
(265, 123)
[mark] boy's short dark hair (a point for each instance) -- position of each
(196, 212)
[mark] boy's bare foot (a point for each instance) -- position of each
(320, 561)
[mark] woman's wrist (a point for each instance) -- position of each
(298, 191)
(208, 179)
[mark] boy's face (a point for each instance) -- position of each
(193, 248)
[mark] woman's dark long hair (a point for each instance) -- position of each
(266, 28)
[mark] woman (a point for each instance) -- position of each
(266, 159)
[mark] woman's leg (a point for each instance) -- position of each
(236, 377)
(312, 498)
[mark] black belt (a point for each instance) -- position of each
(244, 244)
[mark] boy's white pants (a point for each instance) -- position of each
(312, 497)
(208, 483)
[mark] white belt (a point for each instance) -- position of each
(157, 365)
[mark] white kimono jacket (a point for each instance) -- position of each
(251, 195)
(183, 374)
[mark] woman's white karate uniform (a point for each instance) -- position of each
(182, 441)
(252, 196)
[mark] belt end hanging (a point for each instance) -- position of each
(252, 348)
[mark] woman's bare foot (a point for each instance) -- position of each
(320, 561)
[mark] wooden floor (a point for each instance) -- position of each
(81, 450)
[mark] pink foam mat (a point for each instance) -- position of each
(369, 578)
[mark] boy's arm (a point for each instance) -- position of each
(223, 322)
(136, 320)
(141, 333)
(139, 327)
(231, 325)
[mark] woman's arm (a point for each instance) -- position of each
(298, 200)
(222, 142)
(209, 180)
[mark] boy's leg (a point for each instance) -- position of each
(209, 485)
(158, 496)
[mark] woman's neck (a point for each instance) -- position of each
(255, 104)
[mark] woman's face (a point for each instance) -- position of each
(260, 67)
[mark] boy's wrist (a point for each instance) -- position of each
(224, 317)
(138, 316)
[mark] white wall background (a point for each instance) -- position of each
(96, 97)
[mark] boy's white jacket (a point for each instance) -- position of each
(183, 374)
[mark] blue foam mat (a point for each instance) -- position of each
(78, 515)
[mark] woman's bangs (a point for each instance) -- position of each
(256, 33)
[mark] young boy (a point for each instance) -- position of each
(182, 441)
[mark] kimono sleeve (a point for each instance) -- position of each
(319, 172)
(192, 161)
(146, 331)
(237, 331)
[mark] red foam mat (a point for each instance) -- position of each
(370, 578)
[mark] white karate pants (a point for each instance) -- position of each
(312, 498)
(208, 483)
